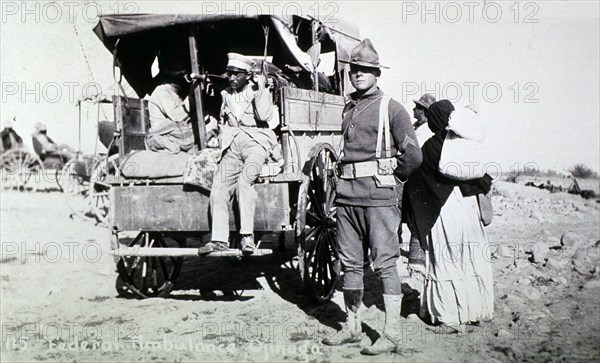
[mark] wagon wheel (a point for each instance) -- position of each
(99, 188)
(57, 175)
(50, 173)
(145, 277)
(316, 235)
(74, 182)
(54, 167)
(18, 166)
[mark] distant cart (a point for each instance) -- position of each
(161, 211)
(18, 166)
(82, 178)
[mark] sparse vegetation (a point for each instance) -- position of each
(552, 173)
(582, 171)
(530, 174)
(557, 181)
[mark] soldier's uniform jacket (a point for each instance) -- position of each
(360, 127)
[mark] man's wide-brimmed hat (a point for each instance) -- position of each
(170, 62)
(238, 62)
(364, 55)
(426, 100)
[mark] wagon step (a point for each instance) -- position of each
(181, 252)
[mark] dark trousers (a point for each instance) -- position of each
(374, 228)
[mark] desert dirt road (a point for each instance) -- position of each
(59, 303)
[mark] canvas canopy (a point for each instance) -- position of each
(137, 40)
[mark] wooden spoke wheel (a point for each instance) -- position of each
(18, 168)
(74, 181)
(145, 277)
(99, 188)
(52, 171)
(316, 234)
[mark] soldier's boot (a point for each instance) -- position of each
(351, 331)
(392, 331)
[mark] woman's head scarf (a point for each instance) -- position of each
(439, 115)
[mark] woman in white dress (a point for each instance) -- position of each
(458, 285)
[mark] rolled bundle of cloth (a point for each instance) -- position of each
(464, 155)
(468, 124)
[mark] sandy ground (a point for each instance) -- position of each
(59, 303)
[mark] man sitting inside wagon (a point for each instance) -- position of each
(170, 124)
(47, 146)
(246, 144)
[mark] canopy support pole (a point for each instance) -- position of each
(315, 45)
(200, 129)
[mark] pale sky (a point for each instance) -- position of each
(532, 66)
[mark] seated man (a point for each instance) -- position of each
(10, 138)
(49, 147)
(170, 124)
(247, 140)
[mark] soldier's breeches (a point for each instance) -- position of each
(374, 228)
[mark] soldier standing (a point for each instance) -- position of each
(380, 151)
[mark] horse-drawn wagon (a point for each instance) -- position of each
(19, 168)
(163, 212)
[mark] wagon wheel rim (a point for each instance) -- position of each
(75, 186)
(58, 174)
(18, 166)
(145, 277)
(316, 233)
(99, 190)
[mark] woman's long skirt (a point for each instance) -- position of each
(458, 287)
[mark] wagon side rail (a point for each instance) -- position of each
(308, 117)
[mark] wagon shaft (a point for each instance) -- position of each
(181, 252)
